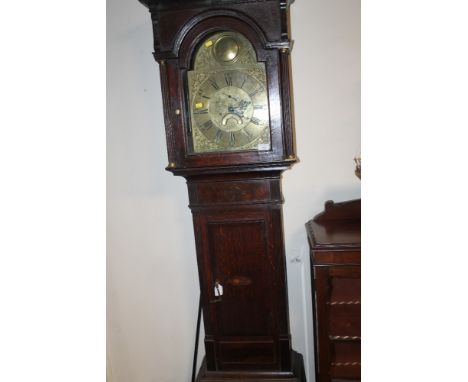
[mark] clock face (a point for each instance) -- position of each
(230, 109)
(228, 97)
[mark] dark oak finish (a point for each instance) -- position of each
(235, 197)
(178, 30)
(298, 374)
(238, 234)
(335, 242)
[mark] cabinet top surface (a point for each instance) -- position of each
(336, 235)
(338, 227)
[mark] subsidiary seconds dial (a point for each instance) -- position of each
(230, 109)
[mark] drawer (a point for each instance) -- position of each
(345, 320)
(345, 359)
(347, 372)
(345, 289)
(337, 303)
(336, 258)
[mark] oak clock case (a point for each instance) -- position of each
(224, 69)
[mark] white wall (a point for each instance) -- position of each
(152, 283)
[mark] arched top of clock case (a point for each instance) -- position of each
(201, 31)
(173, 22)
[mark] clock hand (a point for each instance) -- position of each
(233, 110)
(243, 104)
(230, 96)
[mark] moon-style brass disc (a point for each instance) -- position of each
(226, 49)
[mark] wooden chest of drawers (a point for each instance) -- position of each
(335, 248)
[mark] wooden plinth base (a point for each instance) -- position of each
(297, 375)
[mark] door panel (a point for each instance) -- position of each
(240, 263)
(237, 252)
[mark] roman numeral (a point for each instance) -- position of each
(255, 92)
(214, 84)
(243, 82)
(228, 79)
(248, 133)
(201, 111)
(207, 125)
(255, 121)
(202, 95)
(232, 140)
(218, 136)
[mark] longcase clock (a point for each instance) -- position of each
(225, 81)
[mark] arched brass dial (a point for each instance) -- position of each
(228, 96)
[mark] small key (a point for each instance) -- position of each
(218, 289)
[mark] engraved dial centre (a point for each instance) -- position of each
(231, 109)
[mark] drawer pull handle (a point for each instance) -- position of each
(344, 338)
(346, 363)
(345, 303)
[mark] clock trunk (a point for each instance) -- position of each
(239, 240)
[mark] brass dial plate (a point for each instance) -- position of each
(228, 96)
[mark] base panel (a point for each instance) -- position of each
(298, 374)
